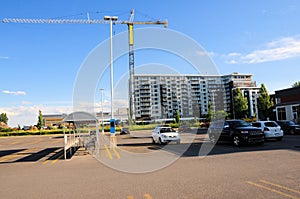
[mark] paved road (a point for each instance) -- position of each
(30, 168)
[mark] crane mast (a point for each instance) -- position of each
(130, 25)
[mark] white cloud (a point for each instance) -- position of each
(14, 92)
(204, 53)
(234, 54)
(4, 57)
(281, 49)
(26, 102)
(27, 115)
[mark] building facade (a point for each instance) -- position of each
(53, 120)
(288, 104)
(160, 96)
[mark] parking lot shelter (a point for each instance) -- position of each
(81, 124)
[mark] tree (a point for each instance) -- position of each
(209, 112)
(221, 114)
(177, 117)
(40, 122)
(240, 104)
(296, 84)
(4, 118)
(264, 103)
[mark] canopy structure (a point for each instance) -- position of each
(80, 118)
(80, 121)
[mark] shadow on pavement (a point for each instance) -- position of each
(22, 155)
(289, 143)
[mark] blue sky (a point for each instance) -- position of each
(39, 62)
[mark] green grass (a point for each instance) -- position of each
(13, 132)
(31, 132)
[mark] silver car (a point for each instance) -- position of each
(164, 134)
(271, 129)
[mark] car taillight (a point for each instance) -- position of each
(266, 129)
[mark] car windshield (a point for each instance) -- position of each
(270, 124)
(239, 123)
(291, 123)
(167, 130)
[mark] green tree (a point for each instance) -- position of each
(221, 114)
(264, 103)
(296, 84)
(209, 114)
(177, 117)
(40, 122)
(4, 118)
(240, 104)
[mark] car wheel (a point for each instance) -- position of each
(236, 140)
(159, 141)
(153, 141)
(279, 138)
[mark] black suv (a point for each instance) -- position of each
(237, 132)
(289, 126)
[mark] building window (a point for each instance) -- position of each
(296, 112)
(281, 113)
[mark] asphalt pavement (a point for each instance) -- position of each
(31, 168)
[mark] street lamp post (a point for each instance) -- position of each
(102, 89)
(111, 19)
(113, 142)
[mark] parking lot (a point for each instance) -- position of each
(33, 167)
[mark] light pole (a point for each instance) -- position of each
(113, 142)
(102, 89)
(111, 19)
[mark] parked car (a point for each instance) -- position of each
(165, 134)
(237, 132)
(270, 128)
(289, 126)
(124, 131)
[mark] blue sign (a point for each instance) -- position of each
(112, 126)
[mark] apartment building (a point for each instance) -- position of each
(159, 96)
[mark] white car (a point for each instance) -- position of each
(271, 129)
(165, 134)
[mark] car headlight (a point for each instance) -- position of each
(244, 132)
(165, 136)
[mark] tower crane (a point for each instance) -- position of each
(129, 23)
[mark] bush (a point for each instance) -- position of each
(2, 129)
